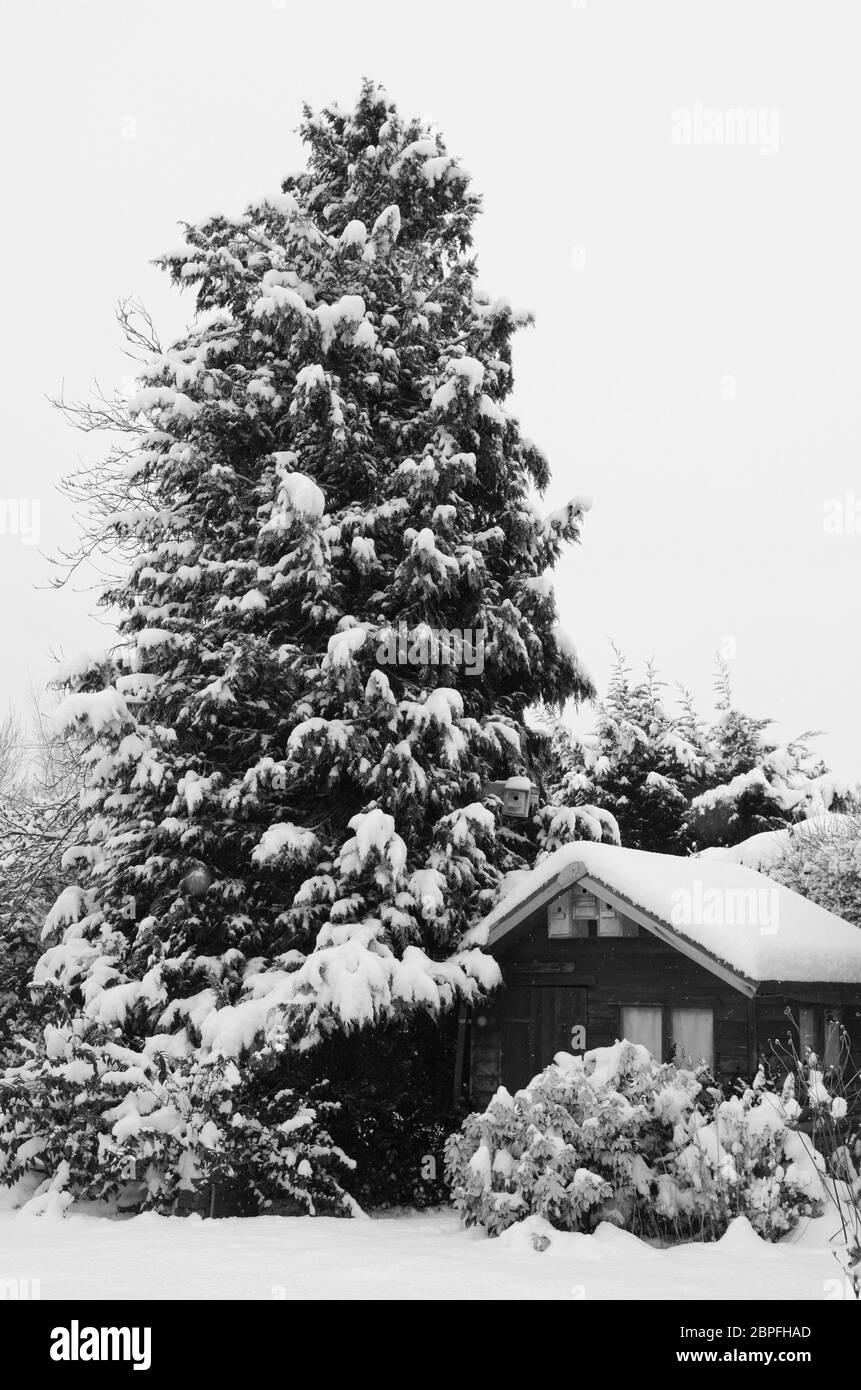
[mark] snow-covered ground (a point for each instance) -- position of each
(421, 1256)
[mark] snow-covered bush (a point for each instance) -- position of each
(616, 1136)
(823, 864)
(747, 1159)
(828, 1105)
(95, 1119)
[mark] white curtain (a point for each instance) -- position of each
(645, 1026)
(693, 1035)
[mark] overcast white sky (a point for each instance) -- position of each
(695, 360)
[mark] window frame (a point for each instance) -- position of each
(697, 1008)
(644, 1004)
(667, 1011)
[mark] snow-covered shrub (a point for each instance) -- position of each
(828, 1107)
(823, 864)
(747, 1159)
(617, 1136)
(560, 1148)
(95, 1119)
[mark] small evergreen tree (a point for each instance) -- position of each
(759, 785)
(642, 763)
(675, 783)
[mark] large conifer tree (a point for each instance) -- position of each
(286, 832)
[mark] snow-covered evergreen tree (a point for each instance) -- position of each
(289, 834)
(675, 782)
(642, 763)
(758, 785)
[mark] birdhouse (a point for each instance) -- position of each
(519, 796)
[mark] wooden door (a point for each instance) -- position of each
(537, 1022)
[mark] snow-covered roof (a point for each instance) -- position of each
(734, 920)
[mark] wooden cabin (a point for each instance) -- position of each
(699, 959)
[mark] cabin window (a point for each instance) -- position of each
(645, 1026)
(692, 1033)
(686, 1035)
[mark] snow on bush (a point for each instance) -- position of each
(616, 1136)
(823, 864)
(828, 1102)
(95, 1119)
